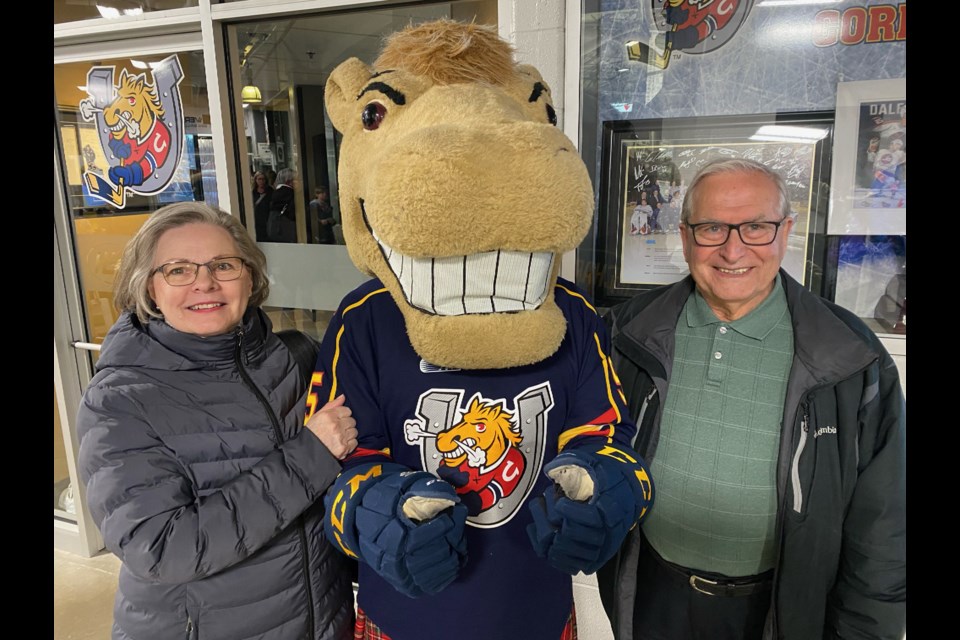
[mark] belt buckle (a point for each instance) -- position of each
(693, 583)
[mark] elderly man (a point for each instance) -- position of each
(774, 424)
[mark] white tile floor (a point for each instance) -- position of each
(83, 590)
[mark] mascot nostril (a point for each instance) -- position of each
(479, 379)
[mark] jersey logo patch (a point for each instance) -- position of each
(426, 367)
(491, 453)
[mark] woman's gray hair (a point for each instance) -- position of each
(733, 165)
(130, 285)
(286, 175)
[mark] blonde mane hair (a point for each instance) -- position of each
(449, 52)
(493, 414)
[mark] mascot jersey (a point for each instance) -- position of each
(488, 433)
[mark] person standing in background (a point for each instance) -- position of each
(282, 222)
(262, 196)
(321, 214)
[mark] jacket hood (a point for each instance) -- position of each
(157, 345)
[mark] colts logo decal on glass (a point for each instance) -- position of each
(690, 26)
(140, 127)
(490, 452)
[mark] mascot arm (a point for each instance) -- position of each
(601, 487)
(408, 526)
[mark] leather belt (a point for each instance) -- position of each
(715, 585)
(729, 588)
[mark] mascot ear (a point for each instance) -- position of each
(343, 86)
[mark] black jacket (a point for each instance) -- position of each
(204, 483)
(282, 221)
(841, 475)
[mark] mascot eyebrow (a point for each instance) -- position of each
(396, 96)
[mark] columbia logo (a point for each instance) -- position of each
(822, 430)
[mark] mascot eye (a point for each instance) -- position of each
(551, 115)
(132, 100)
(481, 427)
(373, 114)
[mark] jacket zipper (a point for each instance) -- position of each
(795, 467)
(189, 627)
(241, 358)
(643, 411)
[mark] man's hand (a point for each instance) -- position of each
(335, 426)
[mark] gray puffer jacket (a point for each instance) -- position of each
(204, 483)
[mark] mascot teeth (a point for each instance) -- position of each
(488, 282)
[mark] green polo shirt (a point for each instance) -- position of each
(715, 469)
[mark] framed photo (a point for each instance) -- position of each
(647, 165)
(871, 279)
(869, 195)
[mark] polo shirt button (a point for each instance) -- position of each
(723, 329)
(717, 355)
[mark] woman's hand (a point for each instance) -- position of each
(335, 426)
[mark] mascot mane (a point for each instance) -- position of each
(448, 52)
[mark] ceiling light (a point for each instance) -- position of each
(251, 94)
(782, 133)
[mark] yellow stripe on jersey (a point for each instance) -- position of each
(336, 351)
(590, 429)
(607, 374)
(577, 295)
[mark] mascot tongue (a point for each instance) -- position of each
(459, 193)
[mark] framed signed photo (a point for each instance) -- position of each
(869, 195)
(648, 164)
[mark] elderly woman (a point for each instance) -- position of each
(200, 472)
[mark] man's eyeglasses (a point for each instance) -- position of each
(181, 273)
(714, 234)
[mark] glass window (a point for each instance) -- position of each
(63, 501)
(70, 10)
(135, 135)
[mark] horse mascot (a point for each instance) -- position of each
(494, 456)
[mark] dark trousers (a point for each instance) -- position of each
(667, 607)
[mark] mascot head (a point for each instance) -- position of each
(459, 193)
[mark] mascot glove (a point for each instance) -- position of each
(405, 539)
(129, 175)
(580, 522)
(119, 148)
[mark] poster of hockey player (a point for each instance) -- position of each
(881, 181)
(868, 193)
